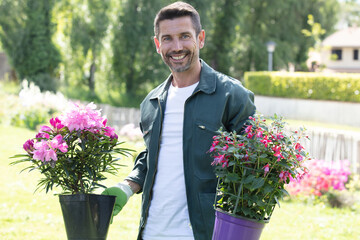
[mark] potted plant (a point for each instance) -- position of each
(253, 168)
(73, 153)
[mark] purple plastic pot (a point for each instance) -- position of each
(229, 227)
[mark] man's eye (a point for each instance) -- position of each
(186, 36)
(166, 39)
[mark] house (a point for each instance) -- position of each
(340, 52)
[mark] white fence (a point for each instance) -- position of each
(118, 116)
(326, 144)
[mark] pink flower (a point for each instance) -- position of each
(248, 129)
(298, 146)
(259, 133)
(43, 132)
(43, 152)
(56, 123)
(110, 132)
(299, 157)
(218, 159)
(104, 122)
(277, 150)
(279, 136)
(29, 146)
(265, 141)
(213, 145)
(266, 169)
(81, 117)
(250, 135)
(225, 147)
(284, 175)
(58, 143)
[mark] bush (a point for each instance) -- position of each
(35, 107)
(322, 177)
(320, 86)
(327, 182)
(30, 118)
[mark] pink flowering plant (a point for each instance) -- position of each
(323, 177)
(253, 167)
(73, 152)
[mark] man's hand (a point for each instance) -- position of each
(122, 192)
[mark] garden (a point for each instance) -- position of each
(323, 205)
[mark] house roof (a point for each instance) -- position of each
(349, 37)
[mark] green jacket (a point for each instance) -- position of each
(217, 101)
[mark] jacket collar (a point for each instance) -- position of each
(207, 83)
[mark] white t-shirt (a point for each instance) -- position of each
(168, 214)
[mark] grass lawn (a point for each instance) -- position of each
(28, 215)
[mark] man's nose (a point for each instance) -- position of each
(177, 45)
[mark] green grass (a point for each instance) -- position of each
(28, 215)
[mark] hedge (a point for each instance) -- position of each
(320, 86)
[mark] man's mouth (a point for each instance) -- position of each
(178, 57)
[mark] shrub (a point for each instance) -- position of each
(320, 86)
(322, 177)
(35, 107)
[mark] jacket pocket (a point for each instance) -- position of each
(203, 137)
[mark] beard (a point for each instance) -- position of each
(181, 66)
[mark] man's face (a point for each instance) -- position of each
(178, 44)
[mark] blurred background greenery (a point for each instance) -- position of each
(103, 51)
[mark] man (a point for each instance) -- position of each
(178, 120)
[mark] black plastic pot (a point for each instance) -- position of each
(87, 216)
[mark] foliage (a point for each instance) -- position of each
(107, 48)
(135, 61)
(321, 86)
(350, 13)
(30, 47)
(34, 107)
(282, 22)
(222, 36)
(75, 152)
(89, 26)
(254, 167)
(327, 182)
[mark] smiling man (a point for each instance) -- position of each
(178, 120)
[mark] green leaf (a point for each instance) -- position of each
(277, 201)
(232, 177)
(249, 179)
(285, 192)
(257, 183)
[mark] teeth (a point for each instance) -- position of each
(178, 58)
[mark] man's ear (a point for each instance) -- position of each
(201, 38)
(157, 44)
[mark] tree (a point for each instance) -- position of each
(350, 13)
(90, 22)
(222, 37)
(281, 21)
(26, 36)
(136, 65)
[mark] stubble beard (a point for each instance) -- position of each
(179, 68)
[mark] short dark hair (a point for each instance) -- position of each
(176, 10)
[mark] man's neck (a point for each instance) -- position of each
(187, 78)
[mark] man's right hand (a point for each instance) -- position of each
(122, 192)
